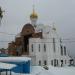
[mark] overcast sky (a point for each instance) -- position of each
(17, 13)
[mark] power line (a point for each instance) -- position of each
(6, 33)
(64, 40)
(4, 41)
(43, 42)
(47, 38)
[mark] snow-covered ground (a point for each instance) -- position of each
(61, 71)
(37, 70)
(54, 71)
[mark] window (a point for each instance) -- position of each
(44, 47)
(32, 47)
(54, 44)
(55, 62)
(39, 47)
(61, 63)
(64, 50)
(61, 50)
(45, 62)
(39, 62)
(52, 62)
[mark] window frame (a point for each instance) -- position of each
(32, 47)
(45, 62)
(44, 47)
(39, 47)
(39, 62)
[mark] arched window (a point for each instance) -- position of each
(39, 47)
(55, 62)
(54, 44)
(64, 50)
(61, 50)
(45, 62)
(61, 63)
(39, 62)
(32, 47)
(52, 62)
(44, 47)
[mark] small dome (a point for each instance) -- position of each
(34, 14)
(54, 29)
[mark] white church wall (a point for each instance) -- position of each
(49, 55)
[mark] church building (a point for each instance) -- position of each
(41, 43)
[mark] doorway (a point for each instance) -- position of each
(26, 43)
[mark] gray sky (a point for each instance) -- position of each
(17, 13)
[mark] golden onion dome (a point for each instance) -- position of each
(34, 14)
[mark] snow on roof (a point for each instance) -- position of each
(6, 66)
(14, 59)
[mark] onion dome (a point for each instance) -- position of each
(34, 14)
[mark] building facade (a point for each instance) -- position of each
(41, 43)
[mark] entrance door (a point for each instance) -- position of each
(26, 43)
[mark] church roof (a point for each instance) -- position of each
(27, 29)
